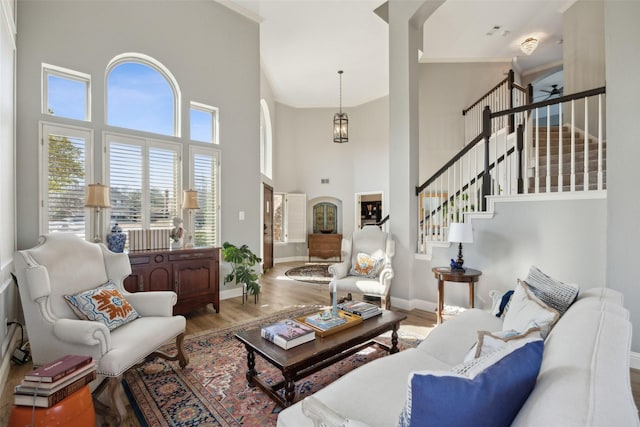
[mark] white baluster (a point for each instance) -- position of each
(600, 168)
(585, 186)
(548, 180)
(537, 140)
(560, 149)
(573, 146)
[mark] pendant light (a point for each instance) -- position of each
(340, 121)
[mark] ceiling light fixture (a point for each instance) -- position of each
(529, 45)
(340, 121)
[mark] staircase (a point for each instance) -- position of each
(554, 162)
(515, 154)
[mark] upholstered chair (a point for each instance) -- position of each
(366, 267)
(63, 264)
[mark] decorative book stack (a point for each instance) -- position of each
(51, 383)
(324, 322)
(360, 308)
(288, 333)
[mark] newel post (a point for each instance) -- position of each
(519, 147)
(486, 176)
(511, 78)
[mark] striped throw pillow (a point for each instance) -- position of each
(552, 292)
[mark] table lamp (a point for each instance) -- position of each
(97, 198)
(190, 202)
(460, 232)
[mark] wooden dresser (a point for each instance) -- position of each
(193, 274)
(325, 245)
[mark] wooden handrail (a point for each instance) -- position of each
(560, 100)
(506, 80)
(450, 163)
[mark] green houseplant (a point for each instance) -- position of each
(242, 262)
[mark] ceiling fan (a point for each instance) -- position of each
(555, 91)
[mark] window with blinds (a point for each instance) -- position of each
(144, 180)
(205, 178)
(65, 151)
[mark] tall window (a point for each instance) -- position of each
(205, 178)
(265, 140)
(66, 93)
(144, 176)
(203, 121)
(65, 151)
(289, 217)
(143, 95)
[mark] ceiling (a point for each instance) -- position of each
(303, 43)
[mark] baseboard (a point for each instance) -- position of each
(290, 259)
(5, 366)
(634, 360)
(231, 293)
(413, 304)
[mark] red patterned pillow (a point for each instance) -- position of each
(104, 304)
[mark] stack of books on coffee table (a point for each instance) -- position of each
(288, 333)
(360, 308)
(51, 383)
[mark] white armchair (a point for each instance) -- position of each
(376, 244)
(63, 264)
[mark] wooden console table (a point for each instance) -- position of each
(192, 273)
(445, 274)
(325, 245)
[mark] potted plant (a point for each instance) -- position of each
(242, 262)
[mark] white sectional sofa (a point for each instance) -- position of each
(583, 378)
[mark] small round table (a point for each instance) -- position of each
(446, 274)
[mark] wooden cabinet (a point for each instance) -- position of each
(193, 274)
(325, 245)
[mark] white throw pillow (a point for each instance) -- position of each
(526, 311)
(488, 342)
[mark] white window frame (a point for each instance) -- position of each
(160, 68)
(146, 143)
(266, 140)
(46, 128)
(215, 132)
(295, 218)
(65, 73)
(215, 153)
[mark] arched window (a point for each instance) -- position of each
(265, 140)
(142, 94)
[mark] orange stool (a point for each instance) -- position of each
(75, 410)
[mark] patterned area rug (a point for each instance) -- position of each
(212, 390)
(312, 272)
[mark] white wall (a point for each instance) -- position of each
(622, 36)
(213, 53)
(445, 90)
(305, 153)
(565, 239)
(8, 294)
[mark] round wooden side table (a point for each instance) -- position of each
(446, 274)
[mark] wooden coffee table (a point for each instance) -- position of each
(305, 359)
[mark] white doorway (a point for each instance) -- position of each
(368, 208)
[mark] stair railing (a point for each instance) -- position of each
(558, 146)
(505, 95)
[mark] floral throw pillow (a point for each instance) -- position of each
(366, 266)
(105, 304)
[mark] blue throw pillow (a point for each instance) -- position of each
(491, 397)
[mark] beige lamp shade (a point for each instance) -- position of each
(190, 199)
(97, 196)
(460, 232)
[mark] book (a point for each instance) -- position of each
(288, 333)
(32, 399)
(58, 369)
(42, 387)
(360, 308)
(323, 323)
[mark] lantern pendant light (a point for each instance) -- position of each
(340, 121)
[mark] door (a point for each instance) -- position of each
(267, 228)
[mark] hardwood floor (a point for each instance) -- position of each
(278, 293)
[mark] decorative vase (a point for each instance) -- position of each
(116, 239)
